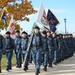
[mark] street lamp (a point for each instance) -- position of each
(65, 24)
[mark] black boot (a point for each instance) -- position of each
(45, 68)
(0, 66)
(0, 71)
(7, 69)
(10, 68)
(26, 68)
(19, 66)
(50, 65)
(37, 72)
(30, 61)
(55, 63)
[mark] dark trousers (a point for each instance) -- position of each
(45, 59)
(9, 57)
(18, 58)
(0, 58)
(36, 59)
(55, 56)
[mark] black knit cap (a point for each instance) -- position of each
(7, 32)
(60, 34)
(17, 31)
(36, 27)
(24, 32)
(48, 31)
(44, 32)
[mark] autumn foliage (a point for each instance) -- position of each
(20, 8)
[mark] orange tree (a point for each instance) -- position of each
(20, 8)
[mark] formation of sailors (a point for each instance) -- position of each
(46, 49)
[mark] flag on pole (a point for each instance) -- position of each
(45, 28)
(3, 16)
(52, 28)
(5, 9)
(51, 18)
(11, 27)
(42, 17)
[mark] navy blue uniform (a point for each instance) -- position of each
(71, 46)
(1, 46)
(36, 49)
(65, 47)
(50, 48)
(18, 51)
(24, 46)
(55, 47)
(8, 46)
(45, 52)
(1, 49)
(60, 49)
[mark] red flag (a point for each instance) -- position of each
(11, 27)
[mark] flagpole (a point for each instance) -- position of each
(4, 9)
(0, 65)
(2, 14)
(65, 25)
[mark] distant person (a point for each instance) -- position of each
(24, 46)
(36, 48)
(45, 50)
(55, 47)
(1, 49)
(8, 46)
(50, 47)
(18, 50)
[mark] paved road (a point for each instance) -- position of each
(66, 67)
